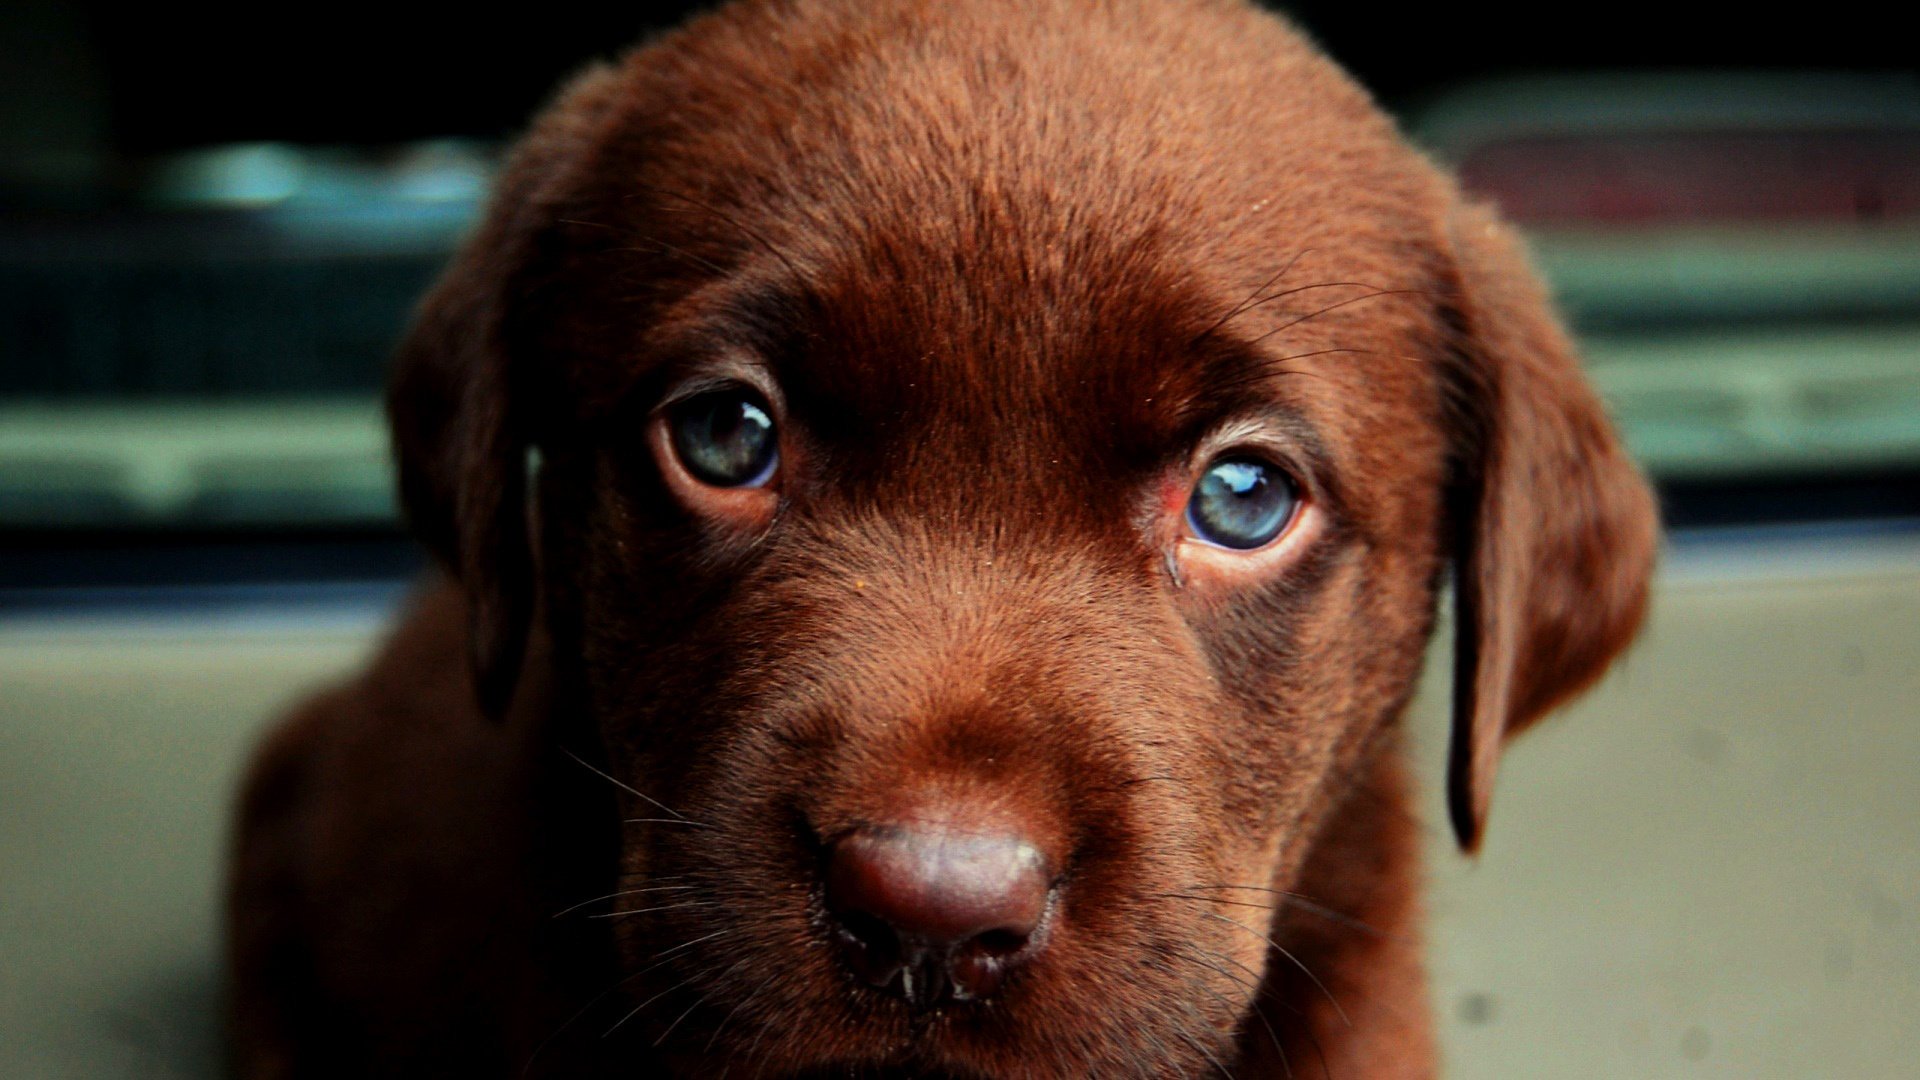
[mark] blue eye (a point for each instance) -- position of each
(726, 439)
(1241, 503)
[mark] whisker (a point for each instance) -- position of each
(1297, 962)
(1277, 361)
(657, 907)
(735, 223)
(602, 995)
(635, 1011)
(1204, 1052)
(621, 893)
(527, 1067)
(1252, 974)
(737, 1006)
(661, 247)
(622, 981)
(1298, 289)
(1258, 1013)
(1251, 297)
(1151, 780)
(1314, 907)
(1326, 1068)
(695, 941)
(1332, 307)
(1216, 900)
(658, 246)
(628, 788)
(1160, 1050)
(697, 1002)
(588, 1007)
(665, 821)
(753, 1050)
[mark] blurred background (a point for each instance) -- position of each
(213, 226)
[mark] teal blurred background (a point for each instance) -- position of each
(212, 228)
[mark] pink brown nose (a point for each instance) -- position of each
(933, 914)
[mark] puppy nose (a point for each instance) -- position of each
(933, 914)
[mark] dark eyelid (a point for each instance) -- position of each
(735, 326)
(697, 367)
(703, 383)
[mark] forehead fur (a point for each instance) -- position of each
(1234, 207)
(1205, 171)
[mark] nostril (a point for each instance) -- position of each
(934, 912)
(873, 949)
(870, 932)
(1000, 943)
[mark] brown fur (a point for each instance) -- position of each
(1008, 264)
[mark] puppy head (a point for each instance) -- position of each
(996, 470)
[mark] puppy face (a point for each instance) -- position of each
(996, 468)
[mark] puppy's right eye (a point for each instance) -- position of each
(725, 438)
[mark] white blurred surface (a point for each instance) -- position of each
(1711, 867)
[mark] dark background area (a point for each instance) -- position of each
(148, 79)
(94, 94)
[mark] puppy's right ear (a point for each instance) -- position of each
(456, 401)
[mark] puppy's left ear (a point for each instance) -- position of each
(458, 400)
(1555, 528)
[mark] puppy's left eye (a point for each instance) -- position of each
(1241, 503)
(725, 438)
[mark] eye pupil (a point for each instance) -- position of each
(1241, 503)
(726, 439)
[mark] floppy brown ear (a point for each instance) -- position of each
(456, 401)
(1556, 528)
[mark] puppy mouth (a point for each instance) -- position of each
(884, 1016)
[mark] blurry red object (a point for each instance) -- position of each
(1700, 177)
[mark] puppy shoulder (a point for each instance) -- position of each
(340, 757)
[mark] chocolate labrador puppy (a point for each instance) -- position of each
(943, 506)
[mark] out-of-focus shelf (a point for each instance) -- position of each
(204, 464)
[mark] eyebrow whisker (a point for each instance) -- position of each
(1252, 297)
(1334, 307)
